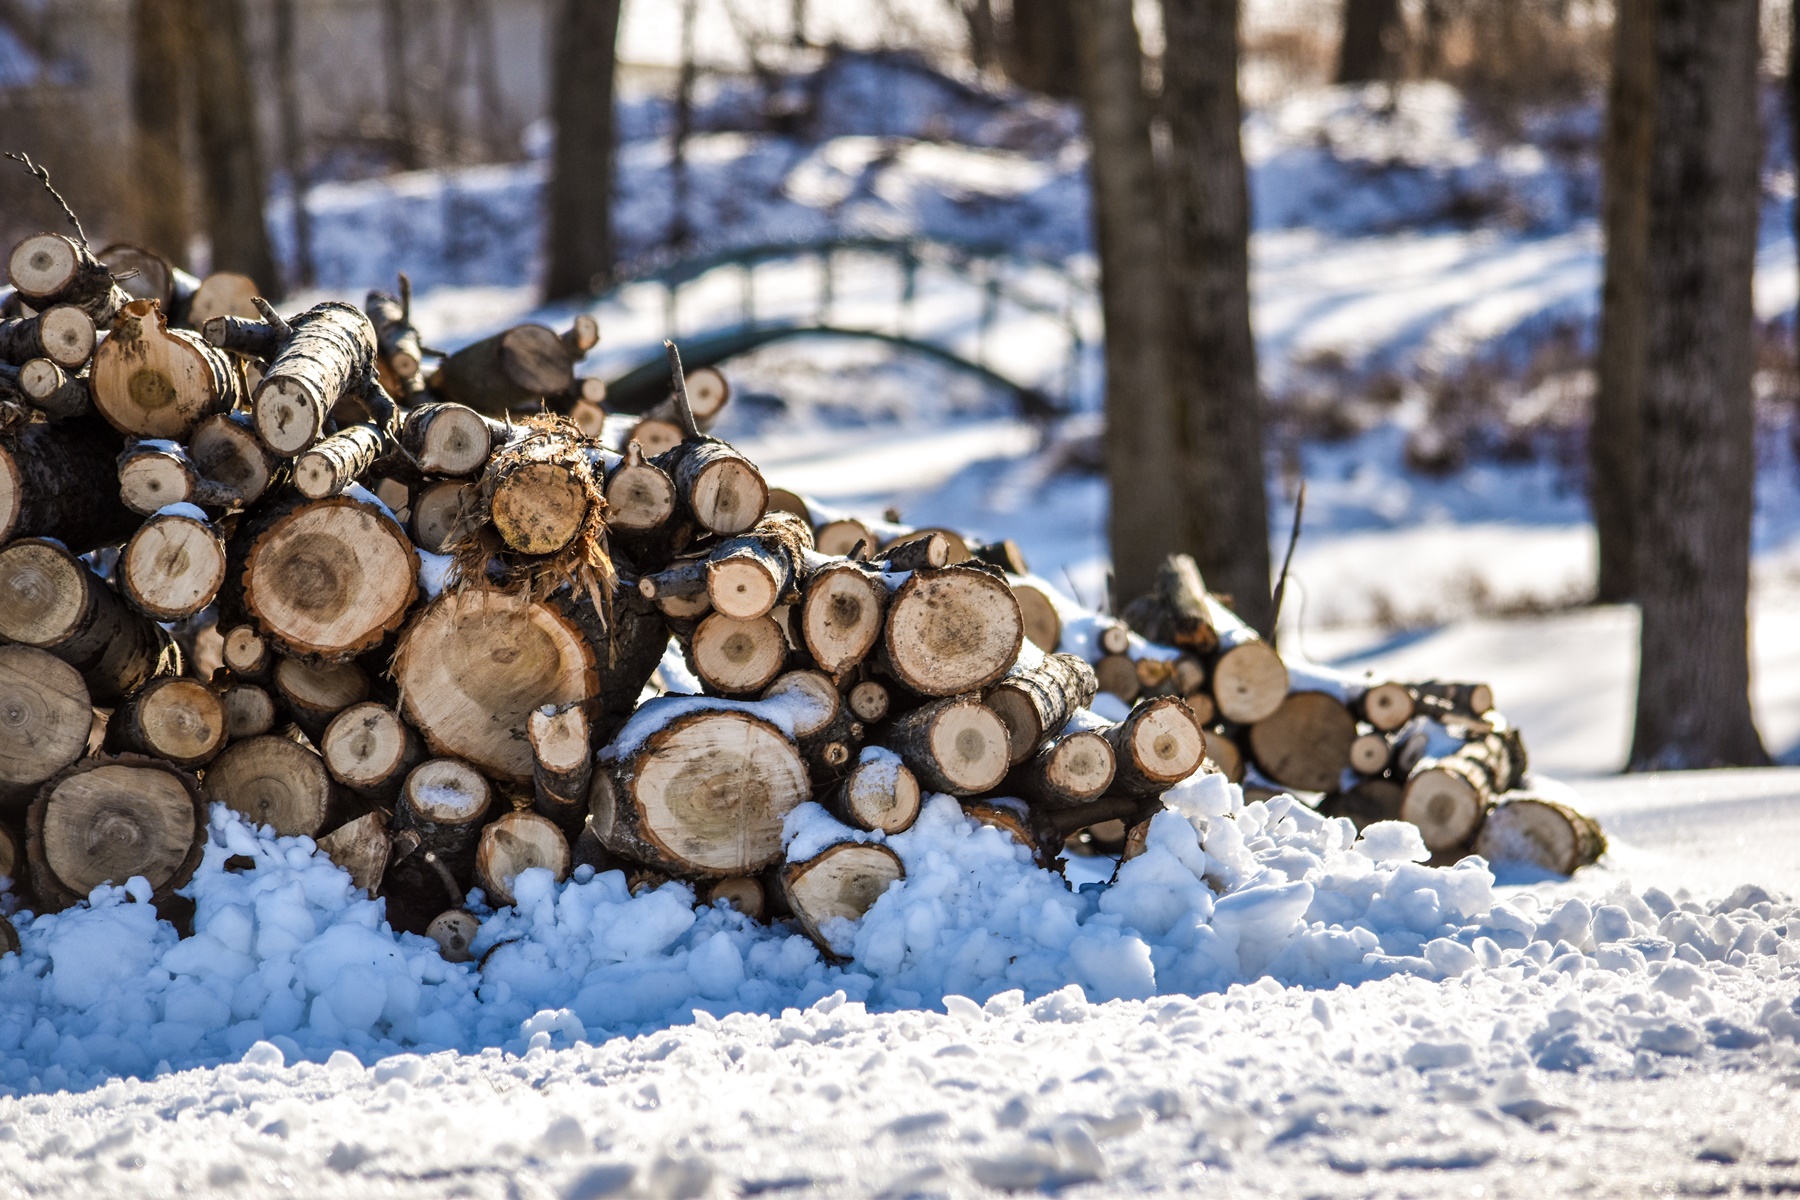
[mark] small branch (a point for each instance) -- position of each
(44, 177)
(1286, 562)
(405, 297)
(276, 321)
(684, 413)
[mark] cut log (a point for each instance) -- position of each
(174, 718)
(657, 437)
(870, 700)
(838, 538)
(146, 275)
(451, 439)
(249, 708)
(1249, 680)
(1460, 699)
(842, 616)
(640, 496)
(105, 820)
(928, 551)
(61, 481)
(49, 269)
(1013, 819)
(444, 513)
(64, 336)
(312, 694)
(1540, 833)
(45, 720)
(172, 567)
(1117, 676)
(397, 340)
(563, 755)
(1448, 797)
(1386, 706)
(369, 749)
(330, 579)
(1369, 754)
(838, 885)
(957, 745)
(152, 381)
(474, 664)
(1201, 703)
(737, 658)
(742, 892)
(332, 465)
(1004, 554)
(9, 938)
(811, 700)
(247, 336)
(58, 394)
(326, 352)
(1035, 704)
(1156, 676)
(956, 547)
(510, 370)
(223, 294)
(248, 654)
(707, 391)
(1158, 745)
(362, 847)
(1175, 612)
(720, 488)
(1112, 635)
(454, 930)
(1043, 627)
(156, 474)
(275, 781)
(539, 490)
(627, 650)
(51, 600)
(782, 500)
(1305, 743)
(225, 450)
(879, 793)
(444, 802)
(516, 843)
(952, 631)
(1075, 769)
(1369, 801)
(679, 580)
(704, 794)
(1223, 753)
(748, 575)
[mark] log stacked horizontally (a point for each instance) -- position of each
(418, 615)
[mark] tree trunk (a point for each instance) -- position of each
(1369, 50)
(1615, 465)
(1035, 704)
(159, 102)
(518, 842)
(1693, 706)
(293, 144)
(106, 819)
(1223, 520)
(232, 181)
(1128, 233)
(59, 481)
(580, 253)
(1039, 46)
(396, 30)
(49, 715)
(956, 745)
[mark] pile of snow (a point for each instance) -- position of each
(286, 952)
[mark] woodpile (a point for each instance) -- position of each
(275, 562)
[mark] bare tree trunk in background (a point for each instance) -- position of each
(1369, 48)
(1615, 467)
(1140, 410)
(797, 18)
(984, 34)
(680, 230)
(1037, 47)
(231, 166)
(293, 148)
(580, 249)
(1793, 106)
(1693, 705)
(158, 106)
(395, 30)
(1224, 522)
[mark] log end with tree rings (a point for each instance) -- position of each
(1076, 768)
(289, 415)
(45, 264)
(67, 336)
(1445, 805)
(706, 794)
(1249, 682)
(956, 546)
(560, 737)
(737, 657)
(837, 886)
(273, 781)
(838, 538)
(43, 593)
(444, 513)
(447, 439)
(1540, 833)
(957, 745)
(331, 579)
(152, 381)
(870, 700)
(362, 848)
(952, 631)
(1158, 745)
(655, 435)
(879, 793)
(810, 697)
(728, 495)
(588, 412)
(248, 652)
(539, 490)
(224, 449)
(367, 746)
(454, 931)
(518, 842)
(782, 500)
(444, 793)
(474, 664)
(155, 479)
(1112, 635)
(174, 718)
(1222, 752)
(535, 360)
(1386, 706)
(1043, 627)
(249, 710)
(640, 495)
(223, 294)
(841, 615)
(741, 587)
(45, 718)
(708, 392)
(314, 693)
(1305, 743)
(1369, 801)
(1117, 676)
(105, 820)
(1369, 754)
(743, 892)
(172, 567)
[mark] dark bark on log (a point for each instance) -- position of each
(60, 481)
(1035, 704)
(1175, 611)
(332, 465)
(715, 485)
(154, 475)
(326, 353)
(51, 600)
(514, 369)
(56, 393)
(562, 749)
(929, 551)
(451, 439)
(397, 341)
(251, 337)
(104, 820)
(444, 802)
(626, 652)
(1455, 699)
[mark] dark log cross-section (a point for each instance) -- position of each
(105, 820)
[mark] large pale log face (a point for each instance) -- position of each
(271, 781)
(953, 631)
(41, 594)
(116, 821)
(331, 579)
(44, 715)
(717, 789)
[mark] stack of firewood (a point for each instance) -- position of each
(422, 616)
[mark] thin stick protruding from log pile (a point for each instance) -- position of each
(155, 825)
(1036, 703)
(149, 380)
(397, 339)
(328, 351)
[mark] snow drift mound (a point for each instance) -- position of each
(286, 951)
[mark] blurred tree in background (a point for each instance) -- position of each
(579, 238)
